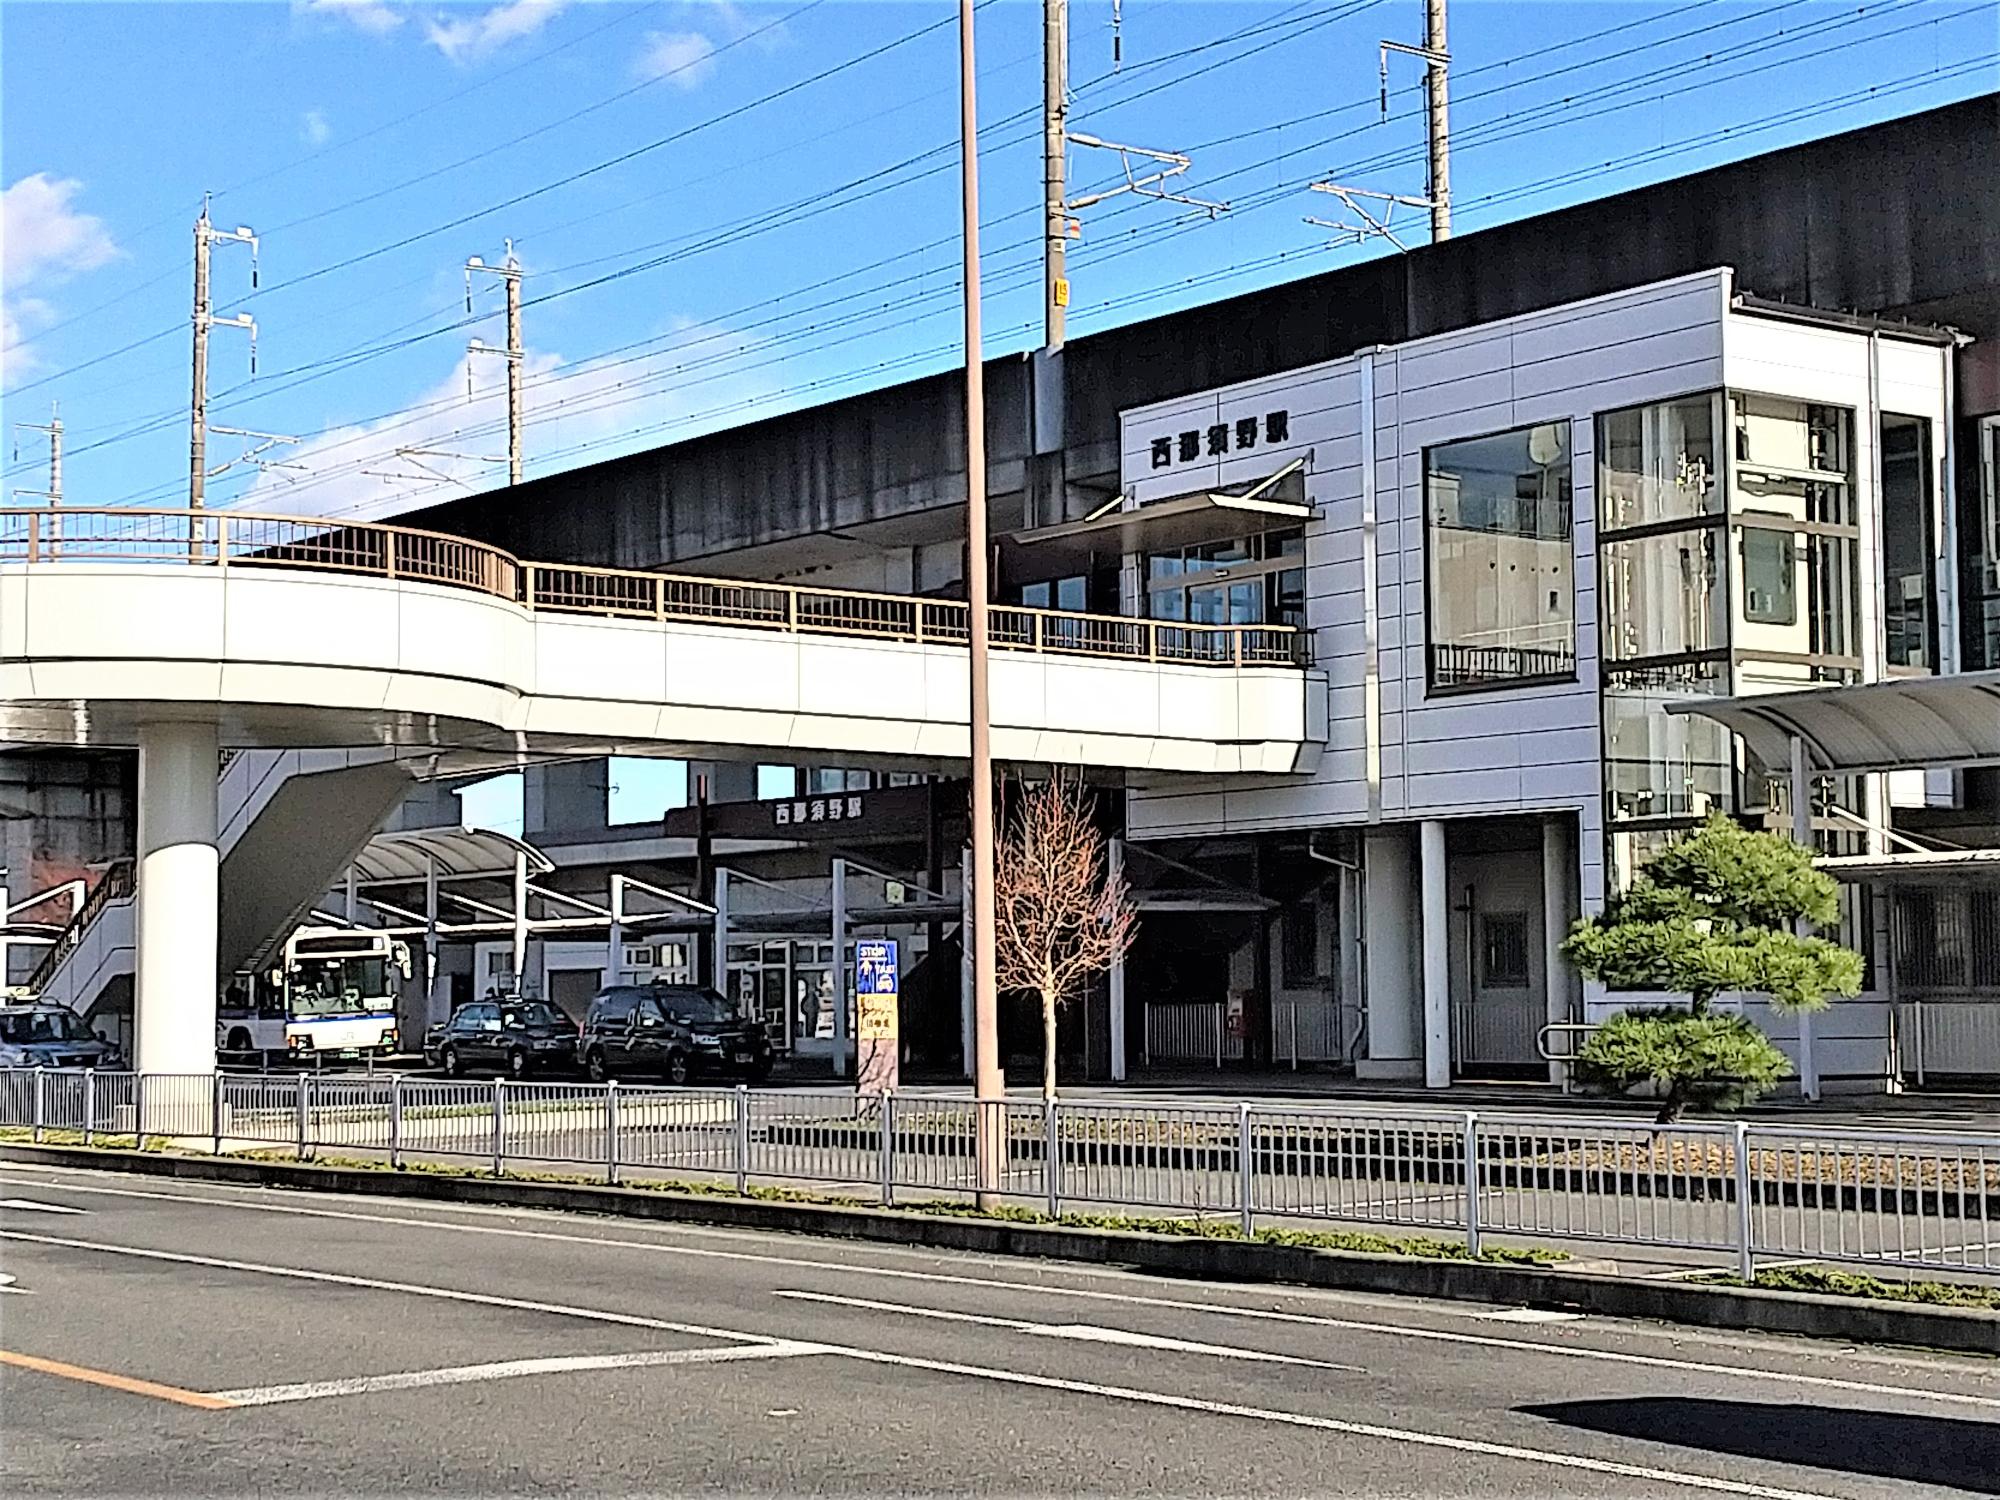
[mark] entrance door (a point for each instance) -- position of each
(1498, 999)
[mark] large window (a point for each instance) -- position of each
(1252, 580)
(1909, 541)
(1501, 583)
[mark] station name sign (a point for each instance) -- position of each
(1219, 439)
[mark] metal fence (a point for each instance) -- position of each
(1733, 1193)
(233, 539)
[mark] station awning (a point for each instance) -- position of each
(459, 853)
(1905, 723)
(1916, 867)
(1217, 515)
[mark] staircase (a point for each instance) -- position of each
(289, 821)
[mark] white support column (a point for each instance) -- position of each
(519, 951)
(1436, 927)
(1559, 890)
(614, 955)
(1802, 834)
(174, 1012)
(1116, 981)
(840, 1027)
(352, 901)
(1390, 983)
(719, 975)
(1349, 957)
(431, 1008)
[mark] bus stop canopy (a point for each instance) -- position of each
(459, 854)
(1902, 724)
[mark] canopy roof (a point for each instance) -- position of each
(460, 854)
(1905, 723)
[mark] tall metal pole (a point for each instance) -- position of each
(987, 1082)
(1440, 119)
(515, 356)
(53, 429)
(198, 415)
(1055, 144)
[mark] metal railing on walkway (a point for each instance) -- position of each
(1732, 1193)
(232, 539)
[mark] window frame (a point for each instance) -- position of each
(1432, 687)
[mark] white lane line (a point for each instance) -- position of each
(1089, 1333)
(1085, 1294)
(7, 1285)
(509, 1369)
(375, 1284)
(1544, 1456)
(1529, 1315)
(32, 1206)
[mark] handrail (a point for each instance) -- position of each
(236, 539)
(119, 880)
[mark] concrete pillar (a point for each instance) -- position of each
(518, 949)
(433, 1012)
(1116, 984)
(839, 925)
(1559, 892)
(174, 1010)
(1802, 833)
(1390, 989)
(1348, 936)
(965, 963)
(1436, 929)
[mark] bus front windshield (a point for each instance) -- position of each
(330, 986)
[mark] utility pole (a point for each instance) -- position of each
(54, 428)
(510, 277)
(1055, 146)
(1439, 62)
(989, 1086)
(205, 237)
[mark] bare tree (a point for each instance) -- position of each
(1062, 916)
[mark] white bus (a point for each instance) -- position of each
(335, 994)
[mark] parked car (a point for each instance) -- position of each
(50, 1036)
(670, 1031)
(515, 1037)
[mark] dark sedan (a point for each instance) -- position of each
(514, 1037)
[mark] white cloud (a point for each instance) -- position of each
(371, 16)
(683, 58)
(342, 472)
(314, 128)
(474, 39)
(43, 240)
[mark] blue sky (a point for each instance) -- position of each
(763, 254)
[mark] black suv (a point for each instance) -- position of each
(517, 1037)
(671, 1031)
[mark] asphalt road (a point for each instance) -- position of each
(167, 1338)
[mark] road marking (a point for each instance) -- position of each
(877, 1272)
(375, 1284)
(1089, 1333)
(7, 1285)
(1545, 1457)
(1528, 1315)
(509, 1369)
(126, 1383)
(41, 1208)
(1411, 1436)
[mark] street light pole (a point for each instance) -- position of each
(988, 1084)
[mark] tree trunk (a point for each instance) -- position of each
(1671, 1105)
(1048, 1045)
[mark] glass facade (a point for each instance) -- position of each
(1909, 542)
(1251, 580)
(1501, 581)
(1722, 569)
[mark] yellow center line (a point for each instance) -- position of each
(128, 1384)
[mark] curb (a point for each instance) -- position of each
(1804, 1314)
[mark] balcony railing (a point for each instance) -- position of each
(228, 539)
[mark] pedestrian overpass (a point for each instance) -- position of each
(185, 634)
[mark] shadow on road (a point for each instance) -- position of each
(1888, 1445)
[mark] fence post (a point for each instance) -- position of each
(41, 1106)
(499, 1126)
(889, 1148)
(1221, 1025)
(1245, 1168)
(89, 1101)
(1471, 1182)
(138, 1111)
(611, 1132)
(303, 1102)
(1746, 1260)
(215, 1114)
(742, 1139)
(1052, 1155)
(396, 1122)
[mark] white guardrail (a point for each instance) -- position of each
(1738, 1189)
